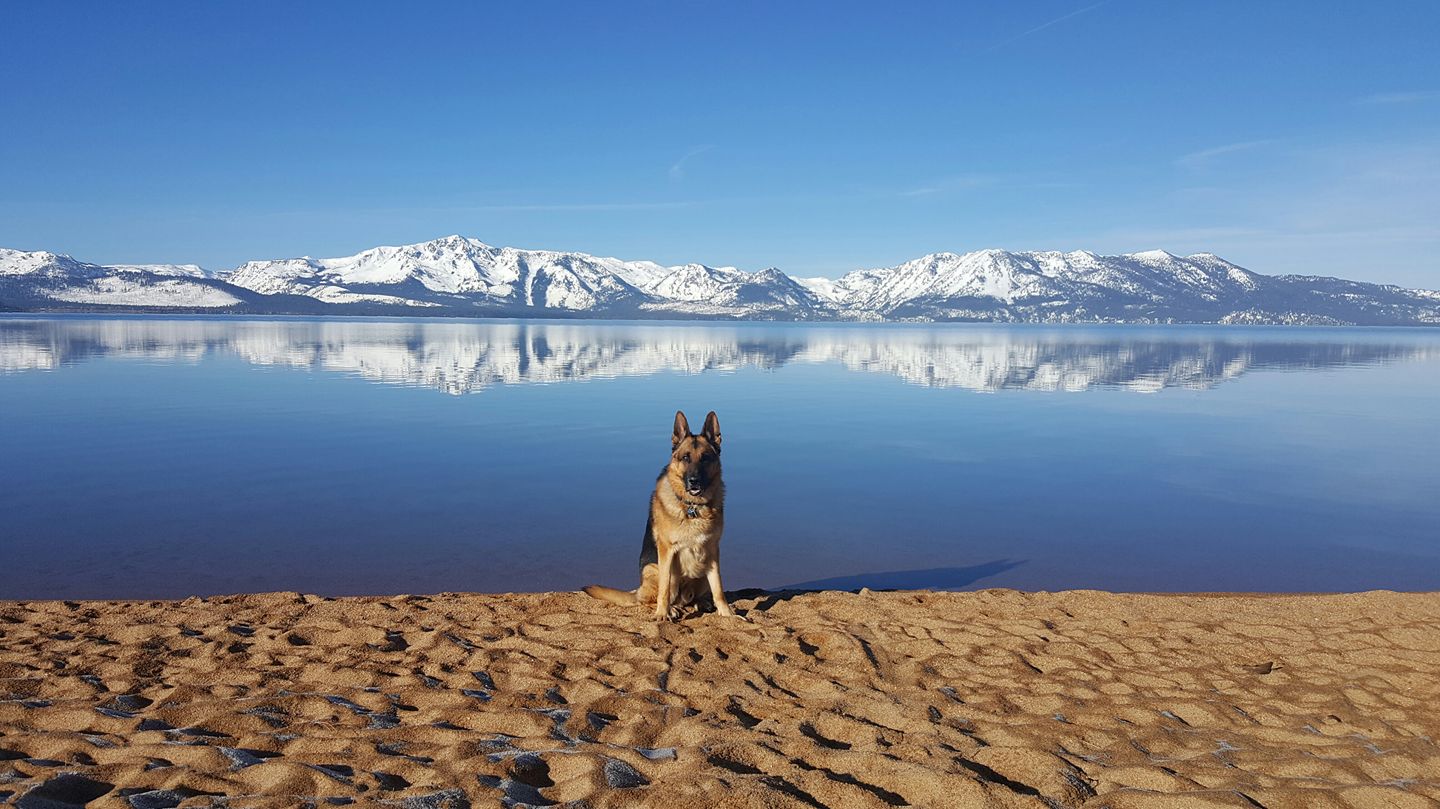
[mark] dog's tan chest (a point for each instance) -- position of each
(692, 541)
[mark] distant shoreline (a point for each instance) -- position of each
(561, 316)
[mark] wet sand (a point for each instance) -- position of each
(994, 698)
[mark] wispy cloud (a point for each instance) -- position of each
(1220, 238)
(580, 206)
(1356, 209)
(1077, 12)
(942, 185)
(1203, 158)
(471, 208)
(677, 169)
(1411, 97)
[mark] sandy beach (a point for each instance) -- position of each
(993, 698)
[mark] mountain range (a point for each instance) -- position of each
(458, 276)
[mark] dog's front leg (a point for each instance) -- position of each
(665, 588)
(717, 593)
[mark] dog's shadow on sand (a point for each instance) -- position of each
(935, 578)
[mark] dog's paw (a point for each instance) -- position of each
(740, 617)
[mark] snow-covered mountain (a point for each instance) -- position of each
(461, 276)
(1152, 286)
(460, 272)
(718, 290)
(453, 271)
(49, 280)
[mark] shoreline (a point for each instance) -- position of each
(981, 698)
(201, 314)
(750, 593)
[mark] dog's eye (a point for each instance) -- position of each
(685, 457)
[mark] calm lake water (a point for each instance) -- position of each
(163, 457)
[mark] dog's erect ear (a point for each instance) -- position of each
(682, 429)
(712, 429)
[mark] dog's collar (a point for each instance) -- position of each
(694, 507)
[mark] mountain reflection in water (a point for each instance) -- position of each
(469, 357)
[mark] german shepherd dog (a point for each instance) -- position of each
(680, 555)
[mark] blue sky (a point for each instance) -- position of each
(817, 137)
